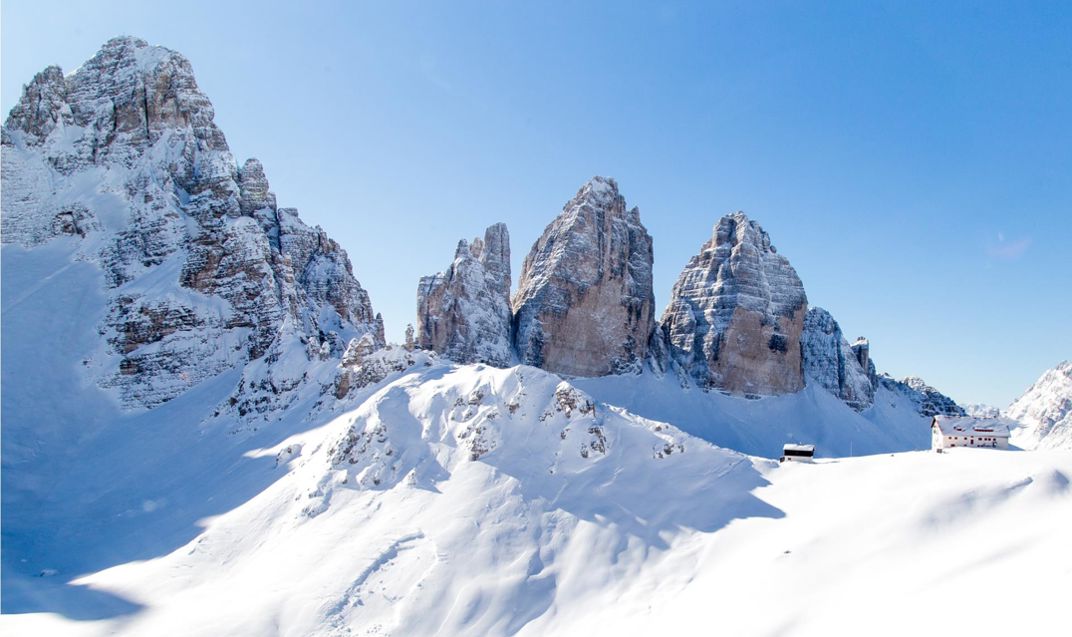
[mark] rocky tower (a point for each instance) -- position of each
(584, 305)
(202, 271)
(736, 314)
(464, 313)
(831, 362)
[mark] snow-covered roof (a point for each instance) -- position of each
(967, 425)
(793, 447)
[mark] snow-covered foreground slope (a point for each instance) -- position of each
(533, 538)
(761, 426)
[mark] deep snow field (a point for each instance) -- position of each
(469, 500)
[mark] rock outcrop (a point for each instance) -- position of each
(979, 410)
(464, 312)
(203, 272)
(736, 314)
(831, 362)
(1045, 411)
(929, 401)
(584, 305)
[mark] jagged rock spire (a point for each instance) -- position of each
(584, 304)
(464, 311)
(736, 313)
(831, 362)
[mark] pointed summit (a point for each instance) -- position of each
(463, 312)
(736, 313)
(584, 305)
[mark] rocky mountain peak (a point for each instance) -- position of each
(600, 190)
(929, 401)
(736, 313)
(584, 305)
(253, 188)
(831, 362)
(123, 156)
(41, 107)
(464, 312)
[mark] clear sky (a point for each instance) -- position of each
(912, 160)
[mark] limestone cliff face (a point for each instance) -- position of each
(831, 362)
(736, 314)
(122, 159)
(584, 305)
(464, 312)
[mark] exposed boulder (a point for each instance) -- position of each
(584, 305)
(832, 363)
(464, 312)
(736, 314)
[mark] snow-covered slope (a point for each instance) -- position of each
(1045, 411)
(471, 500)
(761, 426)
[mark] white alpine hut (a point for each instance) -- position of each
(965, 431)
(798, 453)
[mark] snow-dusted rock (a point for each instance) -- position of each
(736, 313)
(584, 305)
(523, 419)
(928, 400)
(979, 410)
(204, 272)
(831, 362)
(861, 349)
(1045, 411)
(366, 363)
(464, 312)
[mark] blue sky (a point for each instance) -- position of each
(912, 160)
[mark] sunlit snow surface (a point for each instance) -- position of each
(477, 501)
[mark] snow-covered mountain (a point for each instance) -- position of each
(473, 500)
(1045, 411)
(205, 433)
(120, 166)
